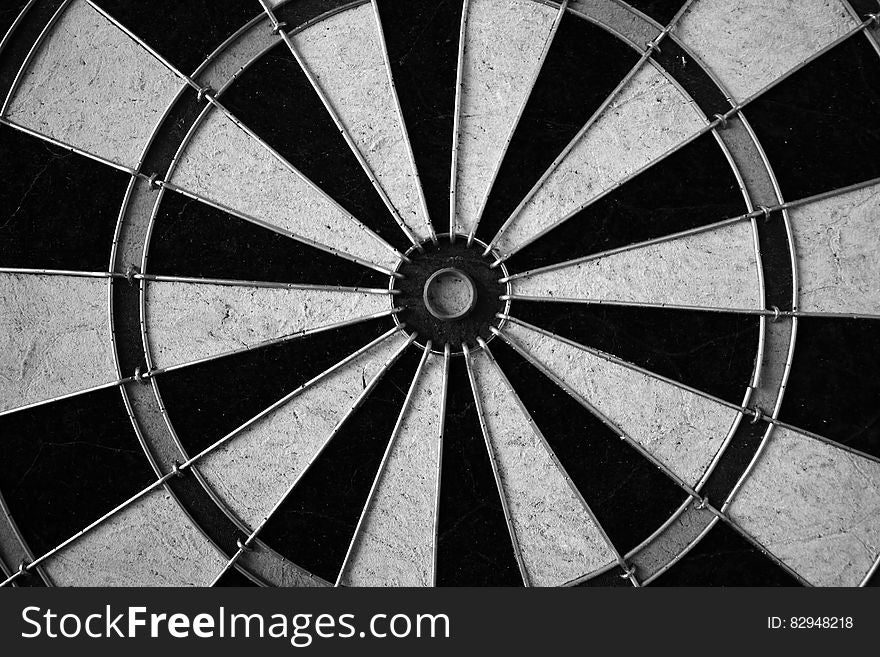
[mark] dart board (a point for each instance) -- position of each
(439, 292)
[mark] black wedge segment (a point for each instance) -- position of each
(710, 351)
(834, 386)
(583, 66)
(314, 526)
(724, 558)
(274, 98)
(67, 463)
(58, 210)
(422, 38)
(692, 77)
(233, 577)
(694, 186)
(203, 412)
(734, 461)
(193, 239)
(661, 11)
(183, 33)
(629, 496)
(17, 44)
(474, 547)
(819, 127)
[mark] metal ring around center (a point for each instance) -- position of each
(470, 291)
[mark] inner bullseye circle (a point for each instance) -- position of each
(449, 294)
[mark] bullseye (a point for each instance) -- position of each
(449, 294)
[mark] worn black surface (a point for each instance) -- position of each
(464, 330)
(692, 77)
(183, 33)
(314, 526)
(584, 64)
(712, 352)
(661, 11)
(202, 411)
(724, 558)
(834, 387)
(473, 543)
(819, 127)
(733, 462)
(275, 86)
(58, 210)
(422, 41)
(25, 35)
(695, 186)
(776, 262)
(67, 463)
(191, 238)
(126, 309)
(629, 495)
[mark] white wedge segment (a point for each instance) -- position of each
(558, 539)
(838, 251)
(649, 117)
(54, 337)
(504, 40)
(187, 321)
(252, 471)
(684, 271)
(815, 506)
(345, 54)
(395, 544)
(749, 44)
(224, 164)
(149, 543)
(91, 86)
(681, 429)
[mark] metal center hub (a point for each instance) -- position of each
(449, 294)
